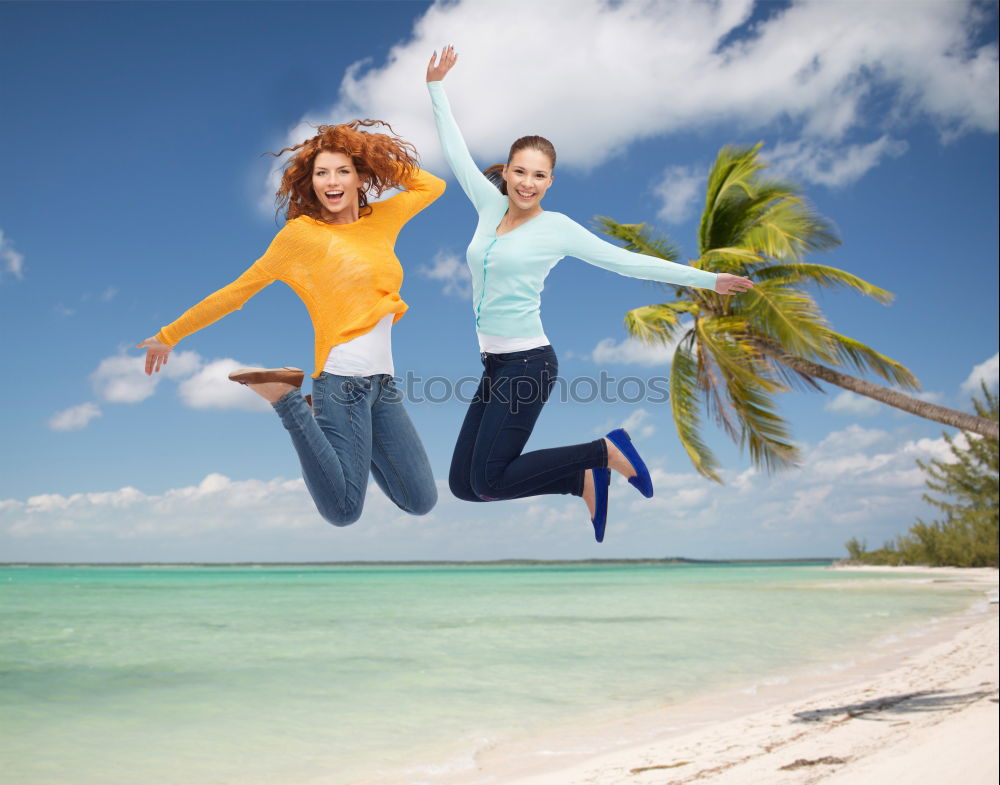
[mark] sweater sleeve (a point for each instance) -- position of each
(419, 191)
(226, 300)
(590, 248)
(477, 187)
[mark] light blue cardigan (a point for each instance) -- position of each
(508, 272)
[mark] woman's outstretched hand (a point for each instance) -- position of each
(156, 354)
(436, 71)
(732, 284)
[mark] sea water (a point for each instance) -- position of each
(329, 674)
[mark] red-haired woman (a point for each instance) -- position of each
(336, 251)
(515, 245)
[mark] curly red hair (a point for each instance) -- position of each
(382, 161)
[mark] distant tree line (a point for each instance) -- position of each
(967, 484)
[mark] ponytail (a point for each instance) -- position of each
(495, 175)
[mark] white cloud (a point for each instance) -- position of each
(105, 296)
(847, 455)
(679, 190)
(856, 482)
(637, 424)
(987, 372)
(272, 520)
(634, 352)
(210, 388)
(181, 364)
(744, 482)
(127, 513)
(452, 271)
(11, 261)
(75, 417)
(847, 402)
(828, 164)
(854, 437)
(676, 503)
(823, 70)
(806, 502)
(201, 384)
(122, 378)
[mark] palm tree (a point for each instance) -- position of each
(733, 354)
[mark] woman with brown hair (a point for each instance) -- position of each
(336, 251)
(515, 245)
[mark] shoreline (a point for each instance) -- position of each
(919, 707)
(511, 562)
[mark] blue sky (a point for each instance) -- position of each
(133, 184)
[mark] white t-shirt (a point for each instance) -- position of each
(500, 344)
(366, 355)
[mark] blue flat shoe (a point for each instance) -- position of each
(602, 479)
(642, 481)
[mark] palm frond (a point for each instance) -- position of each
(788, 316)
(727, 339)
(638, 238)
(763, 432)
(765, 435)
(653, 324)
(853, 353)
(735, 261)
(733, 171)
(767, 215)
(763, 365)
(687, 414)
(780, 224)
(740, 210)
(711, 380)
(822, 275)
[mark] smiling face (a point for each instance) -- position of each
(528, 175)
(336, 183)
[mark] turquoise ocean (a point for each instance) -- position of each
(157, 675)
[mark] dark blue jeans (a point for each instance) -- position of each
(357, 426)
(488, 463)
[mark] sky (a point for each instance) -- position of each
(134, 182)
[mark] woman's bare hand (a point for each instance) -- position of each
(436, 71)
(157, 353)
(732, 284)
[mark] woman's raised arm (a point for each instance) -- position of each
(481, 192)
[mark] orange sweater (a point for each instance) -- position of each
(347, 275)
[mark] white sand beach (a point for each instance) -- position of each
(921, 710)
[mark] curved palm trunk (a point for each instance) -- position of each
(886, 395)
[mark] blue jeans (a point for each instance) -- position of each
(357, 424)
(488, 463)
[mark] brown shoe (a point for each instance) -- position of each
(309, 400)
(292, 376)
